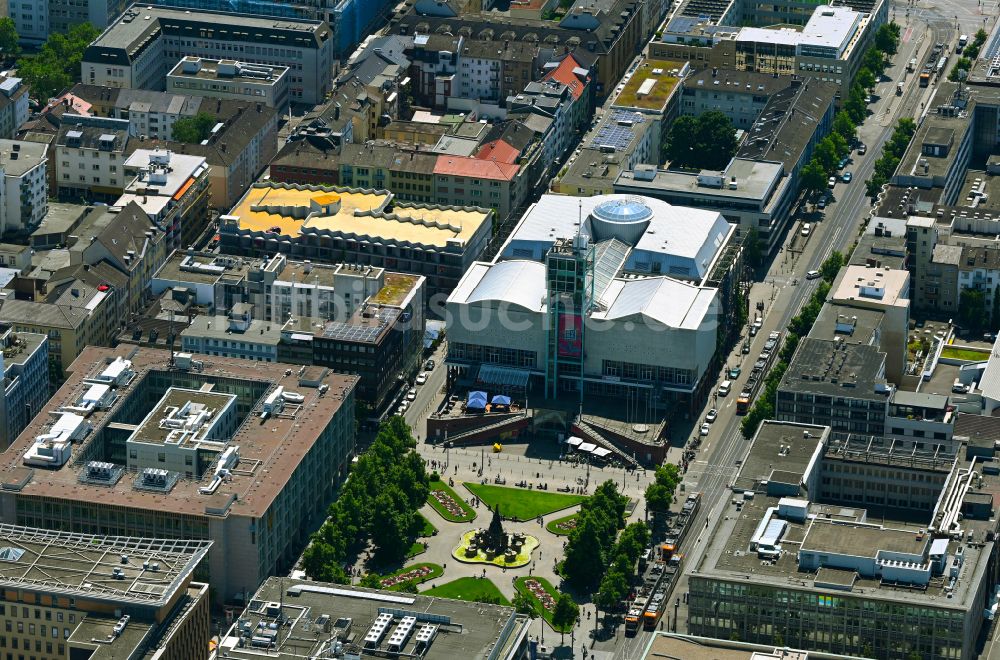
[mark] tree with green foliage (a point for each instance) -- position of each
(874, 61)
(972, 310)
(826, 154)
(840, 145)
(525, 604)
(378, 503)
(56, 66)
(371, 580)
(660, 493)
(799, 326)
(614, 588)
(592, 542)
(887, 38)
(961, 64)
(682, 141)
(831, 266)
(632, 541)
(396, 521)
(707, 141)
(844, 127)
(812, 178)
(752, 249)
(194, 129)
(866, 79)
(893, 151)
(855, 106)
(10, 46)
(565, 615)
(583, 565)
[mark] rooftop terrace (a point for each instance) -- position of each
(651, 84)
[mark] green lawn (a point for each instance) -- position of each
(521, 504)
(478, 590)
(554, 525)
(427, 529)
(519, 584)
(416, 549)
(970, 354)
(436, 571)
(469, 514)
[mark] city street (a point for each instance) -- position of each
(785, 289)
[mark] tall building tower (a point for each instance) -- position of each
(569, 267)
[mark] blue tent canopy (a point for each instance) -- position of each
(476, 399)
(500, 400)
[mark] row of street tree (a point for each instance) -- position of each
(836, 146)
(378, 506)
(600, 557)
(799, 326)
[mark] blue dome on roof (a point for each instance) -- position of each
(623, 218)
(623, 210)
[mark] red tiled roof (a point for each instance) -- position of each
(77, 104)
(475, 168)
(564, 74)
(499, 151)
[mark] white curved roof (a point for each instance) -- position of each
(516, 282)
(673, 303)
(677, 236)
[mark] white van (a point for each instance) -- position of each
(725, 387)
(958, 388)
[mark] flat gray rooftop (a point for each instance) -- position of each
(193, 271)
(466, 631)
(754, 181)
(150, 431)
(122, 33)
(779, 447)
(850, 324)
(62, 218)
(862, 540)
(835, 369)
(728, 555)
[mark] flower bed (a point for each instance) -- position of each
(416, 574)
(449, 503)
(539, 592)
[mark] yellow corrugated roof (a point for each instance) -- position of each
(290, 210)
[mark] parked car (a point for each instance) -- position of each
(421, 378)
(429, 365)
(735, 372)
(846, 177)
(862, 148)
(705, 428)
(821, 204)
(712, 415)
(812, 275)
(832, 181)
(806, 229)
(412, 394)
(843, 162)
